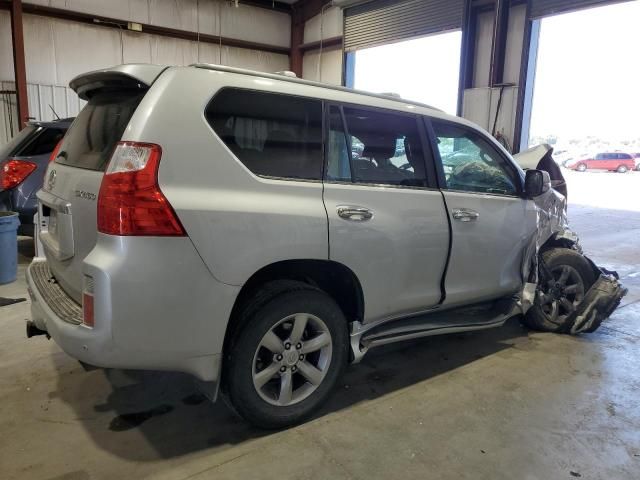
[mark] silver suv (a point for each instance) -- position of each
(260, 232)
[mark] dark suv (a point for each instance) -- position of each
(23, 163)
(612, 161)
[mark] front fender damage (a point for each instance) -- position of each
(553, 230)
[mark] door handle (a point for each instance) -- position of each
(465, 214)
(353, 213)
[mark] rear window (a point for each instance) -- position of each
(44, 143)
(273, 135)
(19, 139)
(93, 135)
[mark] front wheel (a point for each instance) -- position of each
(622, 169)
(557, 297)
(581, 167)
(287, 358)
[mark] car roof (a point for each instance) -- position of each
(59, 123)
(282, 76)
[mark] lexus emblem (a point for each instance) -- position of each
(51, 181)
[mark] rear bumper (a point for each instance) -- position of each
(154, 308)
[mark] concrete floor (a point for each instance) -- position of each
(500, 404)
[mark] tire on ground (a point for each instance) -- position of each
(535, 317)
(269, 306)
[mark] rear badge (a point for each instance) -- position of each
(86, 195)
(51, 181)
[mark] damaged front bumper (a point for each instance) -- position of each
(598, 304)
(553, 231)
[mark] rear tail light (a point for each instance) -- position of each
(87, 301)
(130, 201)
(54, 154)
(14, 172)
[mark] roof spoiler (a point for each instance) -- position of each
(136, 76)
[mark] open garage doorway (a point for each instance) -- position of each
(425, 69)
(585, 93)
(585, 103)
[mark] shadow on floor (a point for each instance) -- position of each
(175, 419)
(26, 250)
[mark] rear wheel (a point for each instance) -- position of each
(557, 297)
(622, 169)
(581, 167)
(287, 357)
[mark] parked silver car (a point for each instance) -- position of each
(214, 221)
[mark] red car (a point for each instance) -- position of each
(612, 161)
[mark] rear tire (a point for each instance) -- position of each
(622, 169)
(555, 299)
(287, 356)
(581, 167)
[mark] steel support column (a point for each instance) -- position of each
(499, 42)
(297, 38)
(19, 68)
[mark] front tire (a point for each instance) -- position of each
(287, 356)
(581, 167)
(556, 298)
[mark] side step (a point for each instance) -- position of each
(476, 317)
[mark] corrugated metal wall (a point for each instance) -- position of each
(58, 50)
(43, 100)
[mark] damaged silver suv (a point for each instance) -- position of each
(260, 232)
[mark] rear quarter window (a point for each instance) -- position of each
(93, 135)
(18, 141)
(273, 135)
(44, 143)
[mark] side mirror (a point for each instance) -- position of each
(536, 182)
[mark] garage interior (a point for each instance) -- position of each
(502, 403)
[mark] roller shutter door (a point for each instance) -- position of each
(384, 21)
(544, 8)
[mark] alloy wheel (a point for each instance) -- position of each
(292, 359)
(561, 294)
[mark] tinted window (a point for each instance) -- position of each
(273, 135)
(600, 156)
(93, 135)
(624, 156)
(338, 164)
(19, 139)
(43, 143)
(471, 163)
(375, 147)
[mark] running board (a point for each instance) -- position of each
(466, 319)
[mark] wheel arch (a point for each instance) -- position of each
(334, 278)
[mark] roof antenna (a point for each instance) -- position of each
(54, 112)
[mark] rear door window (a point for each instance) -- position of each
(375, 147)
(93, 135)
(273, 135)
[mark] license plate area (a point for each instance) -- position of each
(56, 228)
